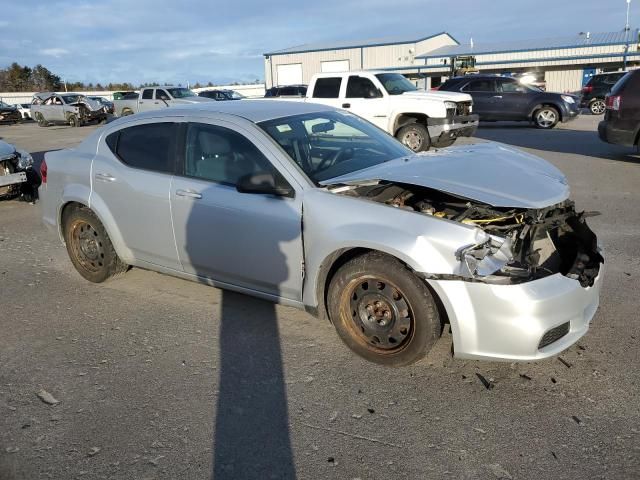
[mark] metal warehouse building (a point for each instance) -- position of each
(565, 63)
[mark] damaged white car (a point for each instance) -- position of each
(74, 109)
(316, 208)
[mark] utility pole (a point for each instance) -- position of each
(626, 25)
(626, 39)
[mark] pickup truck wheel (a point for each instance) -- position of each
(382, 311)
(73, 120)
(415, 136)
(126, 112)
(546, 117)
(90, 248)
(597, 106)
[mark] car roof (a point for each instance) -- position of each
(255, 111)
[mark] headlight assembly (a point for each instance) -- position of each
(25, 161)
(568, 98)
(449, 105)
(486, 258)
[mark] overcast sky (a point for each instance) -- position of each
(198, 40)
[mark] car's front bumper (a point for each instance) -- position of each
(571, 111)
(452, 127)
(507, 322)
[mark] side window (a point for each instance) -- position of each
(221, 155)
(148, 147)
(509, 86)
(147, 94)
(479, 86)
(361, 87)
(327, 87)
(160, 94)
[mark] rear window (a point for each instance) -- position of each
(148, 147)
(628, 79)
(327, 87)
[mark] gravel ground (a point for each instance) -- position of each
(159, 378)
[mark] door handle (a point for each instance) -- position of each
(105, 177)
(497, 96)
(156, 103)
(188, 193)
(346, 105)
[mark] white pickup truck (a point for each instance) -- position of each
(419, 119)
(155, 98)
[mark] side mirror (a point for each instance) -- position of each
(265, 183)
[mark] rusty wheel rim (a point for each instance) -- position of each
(87, 246)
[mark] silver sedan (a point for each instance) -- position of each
(308, 206)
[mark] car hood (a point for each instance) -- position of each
(437, 95)
(6, 150)
(490, 173)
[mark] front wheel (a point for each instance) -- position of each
(90, 248)
(382, 311)
(73, 120)
(415, 136)
(546, 117)
(41, 121)
(597, 106)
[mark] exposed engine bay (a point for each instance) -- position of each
(521, 245)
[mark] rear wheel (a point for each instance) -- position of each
(89, 246)
(415, 136)
(546, 117)
(382, 311)
(597, 106)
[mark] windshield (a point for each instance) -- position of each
(4, 105)
(180, 92)
(70, 98)
(330, 144)
(395, 84)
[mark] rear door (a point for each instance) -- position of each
(253, 241)
(131, 176)
(326, 91)
(146, 101)
(482, 91)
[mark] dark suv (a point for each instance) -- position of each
(287, 91)
(504, 98)
(596, 89)
(621, 122)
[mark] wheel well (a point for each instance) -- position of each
(405, 119)
(65, 211)
(337, 259)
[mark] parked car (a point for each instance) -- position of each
(287, 91)
(17, 176)
(504, 98)
(104, 102)
(316, 208)
(596, 89)
(221, 95)
(127, 95)
(621, 122)
(25, 110)
(74, 109)
(419, 119)
(154, 98)
(9, 113)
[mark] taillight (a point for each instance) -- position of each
(587, 89)
(613, 102)
(43, 171)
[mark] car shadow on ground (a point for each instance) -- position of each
(558, 140)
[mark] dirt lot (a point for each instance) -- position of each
(161, 378)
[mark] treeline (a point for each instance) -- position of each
(18, 78)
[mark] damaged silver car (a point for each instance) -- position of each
(316, 208)
(74, 109)
(18, 178)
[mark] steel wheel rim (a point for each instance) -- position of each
(412, 140)
(546, 118)
(379, 314)
(86, 246)
(598, 107)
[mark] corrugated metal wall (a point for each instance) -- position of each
(563, 80)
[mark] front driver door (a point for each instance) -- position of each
(511, 99)
(248, 240)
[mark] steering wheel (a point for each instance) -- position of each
(343, 154)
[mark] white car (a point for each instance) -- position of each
(25, 110)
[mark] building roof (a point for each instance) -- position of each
(370, 42)
(575, 41)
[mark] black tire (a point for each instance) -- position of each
(382, 311)
(73, 120)
(415, 136)
(597, 106)
(126, 112)
(546, 117)
(89, 246)
(41, 121)
(445, 143)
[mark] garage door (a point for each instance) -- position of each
(335, 66)
(290, 74)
